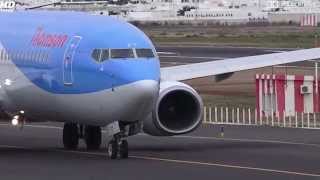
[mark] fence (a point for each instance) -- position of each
(248, 116)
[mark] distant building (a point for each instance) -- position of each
(188, 10)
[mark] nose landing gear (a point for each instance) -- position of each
(117, 146)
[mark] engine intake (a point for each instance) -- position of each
(178, 110)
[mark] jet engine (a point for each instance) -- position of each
(178, 110)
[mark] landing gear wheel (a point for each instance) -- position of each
(124, 149)
(70, 136)
(92, 137)
(113, 149)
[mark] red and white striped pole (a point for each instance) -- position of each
(316, 102)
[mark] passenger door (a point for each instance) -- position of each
(68, 60)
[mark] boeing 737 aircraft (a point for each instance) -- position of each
(95, 71)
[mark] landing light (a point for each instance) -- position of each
(8, 82)
(14, 122)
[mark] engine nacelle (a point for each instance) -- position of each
(178, 110)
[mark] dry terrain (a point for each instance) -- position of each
(239, 90)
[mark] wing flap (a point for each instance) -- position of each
(198, 70)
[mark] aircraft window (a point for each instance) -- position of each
(42, 56)
(33, 56)
(30, 56)
(122, 53)
(100, 55)
(2, 55)
(46, 57)
(39, 57)
(104, 54)
(24, 55)
(19, 57)
(14, 55)
(9, 54)
(145, 53)
(96, 54)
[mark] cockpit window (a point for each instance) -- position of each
(121, 53)
(96, 54)
(104, 54)
(100, 55)
(145, 53)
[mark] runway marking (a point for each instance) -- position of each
(194, 57)
(184, 162)
(301, 67)
(184, 63)
(42, 126)
(174, 63)
(167, 53)
(197, 137)
(249, 140)
(12, 147)
(226, 166)
(275, 51)
(35, 126)
(204, 164)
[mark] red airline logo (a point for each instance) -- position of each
(43, 39)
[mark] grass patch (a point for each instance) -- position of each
(229, 101)
(288, 40)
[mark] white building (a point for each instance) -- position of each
(222, 10)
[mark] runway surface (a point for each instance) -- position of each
(258, 153)
(244, 153)
(177, 55)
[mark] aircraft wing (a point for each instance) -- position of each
(198, 70)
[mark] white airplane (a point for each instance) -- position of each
(94, 71)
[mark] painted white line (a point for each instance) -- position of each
(199, 137)
(300, 67)
(187, 162)
(226, 166)
(12, 147)
(41, 126)
(174, 63)
(167, 53)
(250, 140)
(243, 140)
(35, 126)
(255, 125)
(203, 164)
(194, 57)
(275, 51)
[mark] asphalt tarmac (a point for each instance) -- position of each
(257, 153)
(243, 153)
(176, 55)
